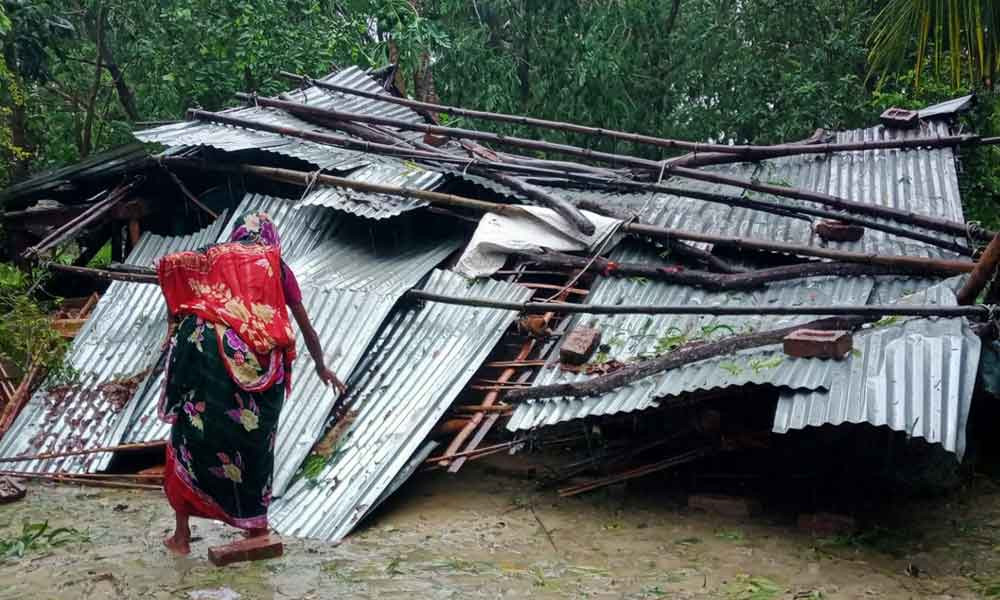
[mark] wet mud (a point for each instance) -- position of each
(487, 534)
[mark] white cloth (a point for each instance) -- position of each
(497, 236)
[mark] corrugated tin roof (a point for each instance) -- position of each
(916, 376)
(922, 181)
(631, 336)
(422, 360)
(948, 107)
(364, 167)
(120, 339)
(111, 163)
(349, 287)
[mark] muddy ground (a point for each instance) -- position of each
(480, 535)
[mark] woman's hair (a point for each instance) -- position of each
(255, 228)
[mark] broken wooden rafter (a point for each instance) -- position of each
(71, 228)
(919, 264)
(691, 353)
(740, 152)
(656, 168)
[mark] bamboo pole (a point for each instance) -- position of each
(87, 481)
(656, 167)
(873, 310)
(51, 455)
(985, 269)
(71, 228)
(922, 265)
(741, 152)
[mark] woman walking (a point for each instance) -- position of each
(231, 349)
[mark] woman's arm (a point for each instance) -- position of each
(314, 346)
(171, 328)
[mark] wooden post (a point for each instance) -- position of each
(134, 232)
(985, 267)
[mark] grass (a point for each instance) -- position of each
(748, 587)
(35, 537)
(892, 542)
(988, 588)
(730, 536)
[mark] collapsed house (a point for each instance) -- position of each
(376, 205)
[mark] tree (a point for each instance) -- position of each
(962, 34)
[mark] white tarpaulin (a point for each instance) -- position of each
(497, 236)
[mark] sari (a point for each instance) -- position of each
(228, 371)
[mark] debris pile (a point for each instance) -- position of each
(651, 315)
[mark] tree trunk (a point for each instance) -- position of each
(17, 120)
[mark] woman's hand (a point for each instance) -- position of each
(329, 378)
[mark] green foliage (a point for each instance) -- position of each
(963, 36)
(26, 332)
(35, 537)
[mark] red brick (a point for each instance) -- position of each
(899, 118)
(579, 345)
(255, 548)
(827, 524)
(811, 343)
(838, 231)
(727, 506)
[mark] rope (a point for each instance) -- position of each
(310, 182)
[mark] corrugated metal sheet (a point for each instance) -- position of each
(349, 288)
(377, 206)
(923, 181)
(354, 78)
(916, 376)
(364, 167)
(421, 361)
(948, 107)
(634, 336)
(121, 339)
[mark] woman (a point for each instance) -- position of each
(231, 350)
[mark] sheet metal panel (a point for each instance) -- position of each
(121, 339)
(923, 181)
(362, 166)
(348, 289)
(916, 376)
(421, 361)
(632, 337)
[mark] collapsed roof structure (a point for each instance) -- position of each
(376, 203)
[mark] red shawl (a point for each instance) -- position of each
(236, 285)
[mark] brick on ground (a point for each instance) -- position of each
(255, 548)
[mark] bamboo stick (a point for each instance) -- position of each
(71, 228)
(60, 478)
(119, 448)
(873, 310)
(673, 461)
(741, 152)
(986, 268)
(922, 265)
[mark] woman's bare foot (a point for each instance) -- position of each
(180, 542)
(180, 546)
